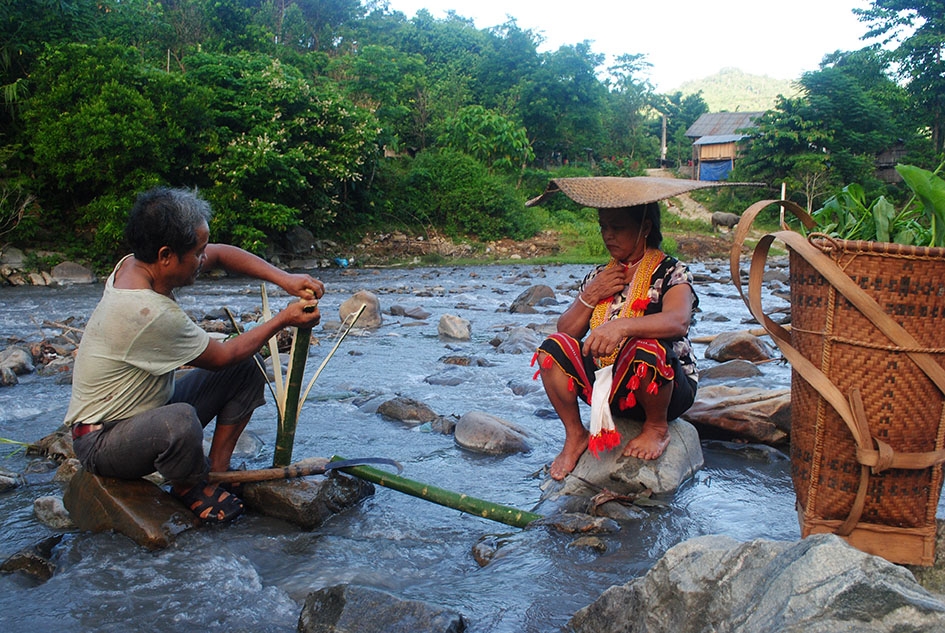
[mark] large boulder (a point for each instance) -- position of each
(743, 345)
(17, 359)
(371, 318)
(485, 433)
(817, 585)
(407, 410)
(72, 273)
(629, 475)
(454, 327)
(752, 413)
(307, 502)
(525, 303)
(519, 340)
(136, 508)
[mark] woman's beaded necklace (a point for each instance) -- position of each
(637, 298)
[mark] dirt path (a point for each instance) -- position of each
(686, 207)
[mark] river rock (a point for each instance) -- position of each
(407, 410)
(67, 470)
(18, 360)
(57, 445)
(51, 512)
(307, 502)
(579, 523)
(454, 327)
(8, 480)
(451, 376)
(354, 609)
(485, 433)
(744, 345)
(520, 340)
(629, 475)
(136, 508)
(525, 302)
(72, 273)
(415, 312)
(752, 413)
(12, 257)
(524, 387)
(61, 368)
(8, 377)
(817, 585)
(466, 361)
(298, 241)
(735, 369)
(371, 318)
(34, 561)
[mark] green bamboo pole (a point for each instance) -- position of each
(455, 500)
(285, 437)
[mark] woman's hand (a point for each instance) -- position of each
(603, 340)
(607, 283)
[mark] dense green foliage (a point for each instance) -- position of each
(920, 222)
(343, 116)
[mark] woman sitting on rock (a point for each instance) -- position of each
(622, 345)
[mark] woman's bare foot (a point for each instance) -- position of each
(650, 443)
(568, 458)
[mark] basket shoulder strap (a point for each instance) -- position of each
(800, 363)
(743, 228)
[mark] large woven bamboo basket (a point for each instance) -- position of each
(902, 405)
(867, 351)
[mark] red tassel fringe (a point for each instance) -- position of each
(605, 441)
(629, 402)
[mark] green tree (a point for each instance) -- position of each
(563, 102)
(680, 112)
(277, 148)
(26, 26)
(507, 62)
(918, 26)
(127, 127)
(308, 25)
(491, 138)
(389, 83)
(453, 191)
(629, 107)
(786, 146)
(848, 112)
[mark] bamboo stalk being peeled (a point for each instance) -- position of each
(443, 497)
(304, 468)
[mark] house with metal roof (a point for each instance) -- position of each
(715, 138)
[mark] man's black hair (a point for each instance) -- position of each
(165, 217)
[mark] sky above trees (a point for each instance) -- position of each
(684, 39)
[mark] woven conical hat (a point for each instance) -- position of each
(611, 192)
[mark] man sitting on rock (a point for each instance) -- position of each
(128, 417)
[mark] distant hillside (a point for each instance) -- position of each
(731, 90)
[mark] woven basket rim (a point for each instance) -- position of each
(827, 244)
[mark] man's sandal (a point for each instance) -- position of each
(232, 487)
(211, 503)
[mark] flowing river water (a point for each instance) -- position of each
(254, 575)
